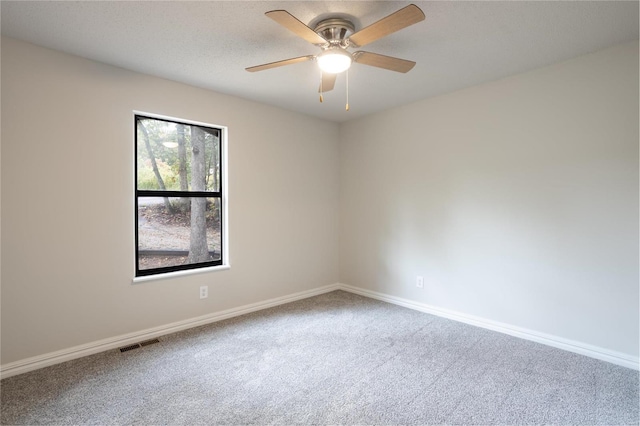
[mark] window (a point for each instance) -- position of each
(179, 198)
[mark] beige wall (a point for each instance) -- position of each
(516, 200)
(67, 202)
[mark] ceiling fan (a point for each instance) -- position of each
(335, 35)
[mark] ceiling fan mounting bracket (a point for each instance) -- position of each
(335, 30)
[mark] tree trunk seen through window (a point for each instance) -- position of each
(198, 249)
(182, 161)
(154, 165)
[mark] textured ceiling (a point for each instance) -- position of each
(209, 43)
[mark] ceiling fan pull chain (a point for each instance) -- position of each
(347, 107)
(321, 89)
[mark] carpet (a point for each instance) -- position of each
(337, 358)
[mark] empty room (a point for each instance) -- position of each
(322, 212)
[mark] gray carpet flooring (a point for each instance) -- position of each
(337, 358)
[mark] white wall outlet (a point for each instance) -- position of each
(204, 291)
(419, 281)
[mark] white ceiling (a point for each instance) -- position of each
(209, 43)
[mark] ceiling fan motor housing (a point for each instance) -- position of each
(335, 30)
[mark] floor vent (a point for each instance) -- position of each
(139, 345)
(149, 342)
(130, 347)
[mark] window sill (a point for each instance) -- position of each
(178, 274)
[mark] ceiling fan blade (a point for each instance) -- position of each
(396, 21)
(382, 61)
(280, 63)
(328, 81)
(292, 23)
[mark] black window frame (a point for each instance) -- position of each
(172, 193)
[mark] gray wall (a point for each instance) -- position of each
(516, 200)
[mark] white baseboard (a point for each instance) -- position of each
(51, 358)
(613, 357)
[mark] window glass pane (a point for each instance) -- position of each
(177, 157)
(178, 231)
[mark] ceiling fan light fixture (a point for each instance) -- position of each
(334, 60)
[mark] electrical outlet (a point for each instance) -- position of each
(204, 291)
(419, 281)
